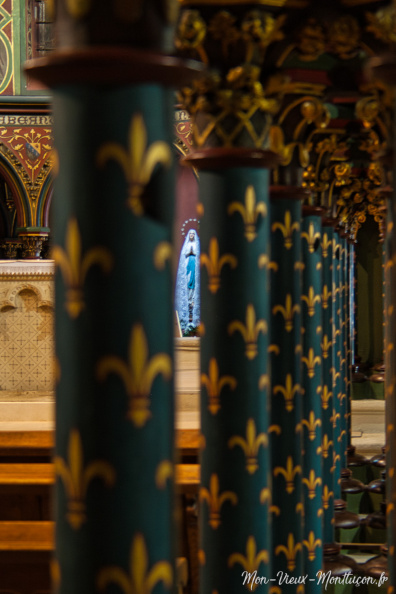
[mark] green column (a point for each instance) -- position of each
(235, 492)
(328, 387)
(112, 227)
(286, 373)
(312, 384)
(344, 350)
(337, 363)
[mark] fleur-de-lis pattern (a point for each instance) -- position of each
(141, 579)
(215, 500)
(138, 162)
(252, 560)
(214, 385)
(250, 445)
(76, 478)
(328, 394)
(138, 374)
(287, 306)
(74, 266)
(115, 355)
(249, 331)
(250, 212)
(235, 384)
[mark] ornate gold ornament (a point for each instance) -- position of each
(325, 344)
(249, 212)
(215, 500)
(311, 299)
(289, 473)
(326, 243)
(74, 266)
(78, 8)
(344, 37)
(310, 362)
(288, 391)
(250, 331)
(138, 162)
(214, 385)
(76, 478)
(312, 482)
(287, 228)
(290, 551)
(191, 34)
(250, 445)
(311, 544)
(311, 238)
(288, 312)
(326, 295)
(383, 24)
(141, 579)
(138, 374)
(252, 560)
(311, 423)
(214, 263)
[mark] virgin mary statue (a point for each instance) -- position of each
(187, 298)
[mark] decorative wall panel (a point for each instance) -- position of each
(26, 326)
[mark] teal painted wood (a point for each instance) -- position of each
(312, 384)
(345, 356)
(286, 374)
(350, 332)
(114, 337)
(235, 494)
(328, 388)
(337, 364)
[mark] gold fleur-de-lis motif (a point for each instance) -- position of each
(250, 331)
(326, 243)
(250, 445)
(137, 374)
(326, 496)
(214, 264)
(310, 362)
(249, 212)
(326, 295)
(334, 418)
(251, 561)
(287, 228)
(74, 266)
(290, 551)
(76, 478)
(214, 385)
(311, 425)
(311, 237)
(138, 162)
(288, 311)
(215, 500)
(163, 473)
(162, 253)
(311, 299)
(266, 497)
(325, 344)
(326, 444)
(264, 262)
(289, 473)
(326, 395)
(141, 579)
(289, 391)
(312, 482)
(311, 544)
